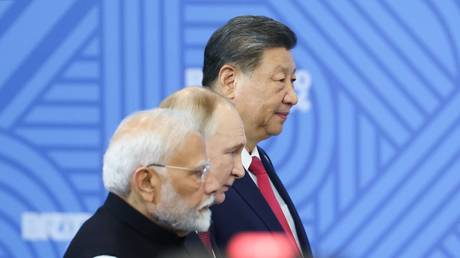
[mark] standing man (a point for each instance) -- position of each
(223, 131)
(224, 136)
(249, 61)
(154, 169)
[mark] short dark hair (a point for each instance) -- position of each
(241, 42)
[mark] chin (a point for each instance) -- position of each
(274, 131)
(219, 199)
(274, 128)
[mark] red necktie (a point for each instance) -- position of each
(204, 237)
(263, 181)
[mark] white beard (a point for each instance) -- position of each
(173, 212)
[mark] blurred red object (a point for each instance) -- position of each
(261, 245)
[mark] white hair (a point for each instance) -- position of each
(201, 103)
(173, 212)
(143, 138)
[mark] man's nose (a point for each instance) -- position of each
(238, 170)
(211, 184)
(291, 96)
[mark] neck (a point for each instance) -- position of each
(253, 136)
(135, 202)
(250, 147)
(251, 142)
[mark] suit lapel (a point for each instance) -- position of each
(301, 234)
(250, 193)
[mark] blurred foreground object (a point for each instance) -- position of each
(261, 245)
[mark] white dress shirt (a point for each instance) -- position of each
(246, 159)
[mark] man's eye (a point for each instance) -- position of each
(197, 173)
(233, 152)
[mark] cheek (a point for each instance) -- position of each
(274, 102)
(271, 96)
(268, 108)
(225, 168)
(230, 162)
(190, 199)
(251, 94)
(195, 198)
(188, 186)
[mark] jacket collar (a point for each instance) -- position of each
(124, 212)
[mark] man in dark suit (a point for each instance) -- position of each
(249, 61)
(154, 169)
(225, 139)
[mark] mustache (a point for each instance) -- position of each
(208, 202)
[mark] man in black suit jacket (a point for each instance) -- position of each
(155, 169)
(249, 61)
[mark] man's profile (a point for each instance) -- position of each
(249, 61)
(154, 169)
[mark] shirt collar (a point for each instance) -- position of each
(246, 157)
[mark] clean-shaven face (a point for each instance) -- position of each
(224, 150)
(265, 96)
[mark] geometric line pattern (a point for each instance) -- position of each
(372, 166)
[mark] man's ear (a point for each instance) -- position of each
(227, 81)
(148, 183)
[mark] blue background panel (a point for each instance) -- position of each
(370, 155)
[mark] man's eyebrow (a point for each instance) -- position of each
(235, 147)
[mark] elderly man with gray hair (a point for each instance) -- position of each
(225, 138)
(224, 132)
(155, 169)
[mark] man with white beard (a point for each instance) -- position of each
(154, 169)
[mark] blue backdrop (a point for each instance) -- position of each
(370, 156)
